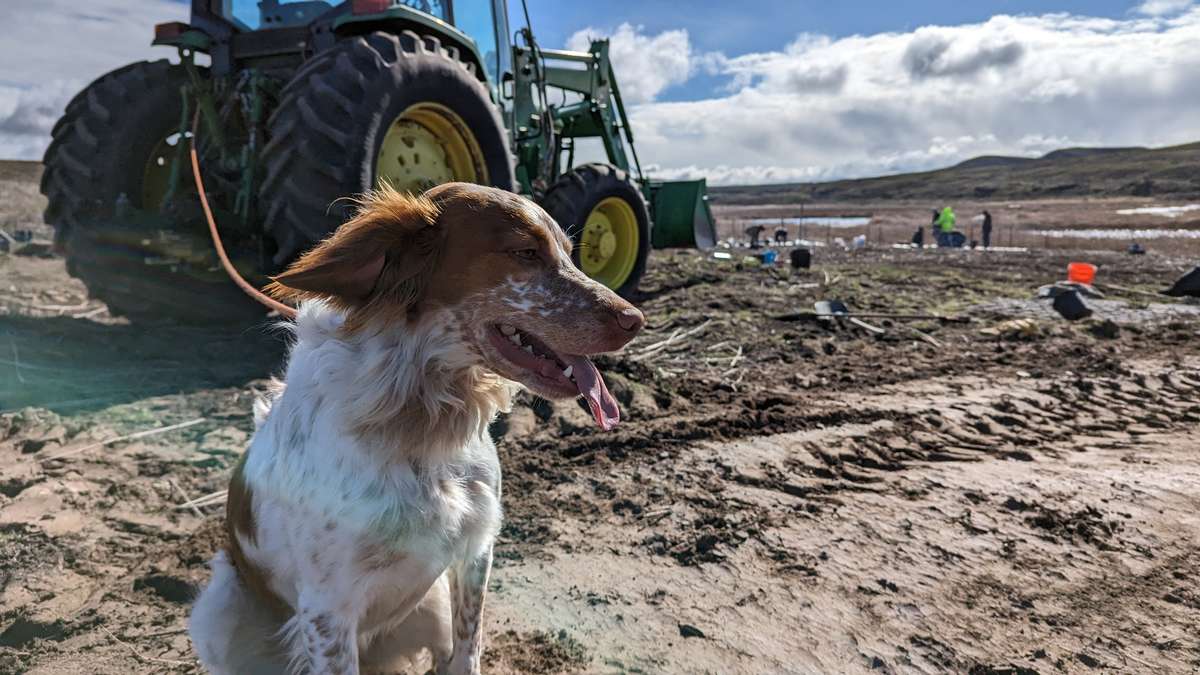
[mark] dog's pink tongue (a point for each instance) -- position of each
(591, 386)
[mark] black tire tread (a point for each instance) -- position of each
(309, 125)
(100, 251)
(578, 186)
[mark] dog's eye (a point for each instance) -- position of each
(526, 253)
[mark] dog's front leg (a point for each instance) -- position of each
(468, 584)
(326, 642)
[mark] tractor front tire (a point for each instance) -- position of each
(396, 108)
(601, 208)
(104, 149)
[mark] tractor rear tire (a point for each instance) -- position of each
(99, 151)
(573, 200)
(335, 114)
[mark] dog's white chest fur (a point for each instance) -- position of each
(370, 476)
(393, 501)
(376, 537)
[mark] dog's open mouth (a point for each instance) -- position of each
(563, 373)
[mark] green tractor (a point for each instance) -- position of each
(298, 105)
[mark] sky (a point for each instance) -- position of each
(763, 91)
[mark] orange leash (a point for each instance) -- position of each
(284, 310)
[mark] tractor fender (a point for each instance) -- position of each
(400, 18)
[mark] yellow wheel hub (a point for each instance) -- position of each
(608, 245)
(426, 145)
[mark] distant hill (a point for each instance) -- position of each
(1070, 172)
(991, 160)
(20, 170)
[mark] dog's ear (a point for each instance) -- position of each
(387, 248)
(346, 273)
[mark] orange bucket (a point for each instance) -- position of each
(1081, 273)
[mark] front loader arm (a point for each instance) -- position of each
(600, 112)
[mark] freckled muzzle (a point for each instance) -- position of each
(539, 324)
(598, 319)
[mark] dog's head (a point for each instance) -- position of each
(493, 261)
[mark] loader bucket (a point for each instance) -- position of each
(682, 219)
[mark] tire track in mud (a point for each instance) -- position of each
(1063, 415)
(842, 446)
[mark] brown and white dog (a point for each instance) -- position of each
(362, 517)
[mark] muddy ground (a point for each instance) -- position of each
(996, 495)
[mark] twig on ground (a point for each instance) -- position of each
(212, 499)
(677, 336)
(186, 500)
(660, 344)
(875, 330)
(736, 357)
(142, 658)
(1134, 658)
(652, 517)
(803, 316)
(925, 336)
(89, 314)
(127, 437)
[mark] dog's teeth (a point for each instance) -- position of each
(515, 338)
(507, 329)
(568, 371)
(529, 348)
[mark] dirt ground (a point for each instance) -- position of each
(997, 495)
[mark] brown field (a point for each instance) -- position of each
(990, 495)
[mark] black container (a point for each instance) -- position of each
(1071, 306)
(1188, 284)
(801, 258)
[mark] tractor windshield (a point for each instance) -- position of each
(263, 14)
(477, 18)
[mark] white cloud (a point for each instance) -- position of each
(825, 108)
(814, 109)
(936, 53)
(1163, 7)
(63, 45)
(30, 114)
(648, 64)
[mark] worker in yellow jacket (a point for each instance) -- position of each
(945, 221)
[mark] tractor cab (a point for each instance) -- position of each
(256, 29)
